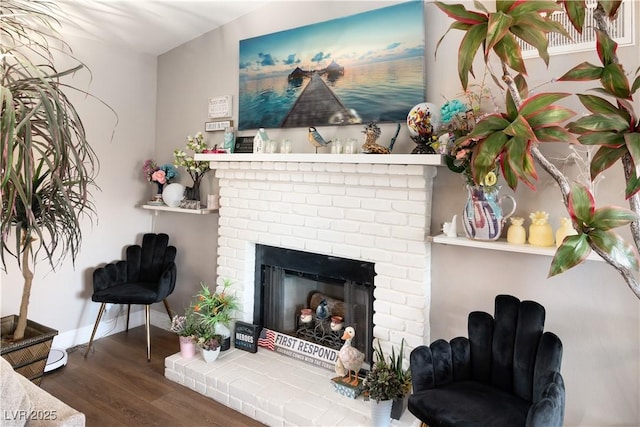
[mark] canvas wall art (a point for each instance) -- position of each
(357, 69)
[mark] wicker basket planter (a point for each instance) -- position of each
(28, 356)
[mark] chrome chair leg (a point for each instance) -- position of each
(166, 306)
(128, 311)
(95, 328)
(147, 322)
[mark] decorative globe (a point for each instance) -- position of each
(423, 119)
(173, 194)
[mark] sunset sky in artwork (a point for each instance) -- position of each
(386, 34)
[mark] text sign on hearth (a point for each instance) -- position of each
(297, 348)
(246, 337)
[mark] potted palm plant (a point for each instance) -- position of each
(48, 166)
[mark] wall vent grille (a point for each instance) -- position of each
(621, 31)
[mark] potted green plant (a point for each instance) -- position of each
(396, 362)
(185, 327)
(511, 139)
(48, 166)
(209, 343)
(214, 311)
(387, 382)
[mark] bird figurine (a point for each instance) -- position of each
(372, 133)
(316, 139)
(350, 359)
(322, 311)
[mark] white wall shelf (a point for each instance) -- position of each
(501, 245)
(390, 159)
(202, 211)
(164, 208)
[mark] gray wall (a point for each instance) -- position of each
(590, 307)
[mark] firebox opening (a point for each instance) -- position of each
(288, 281)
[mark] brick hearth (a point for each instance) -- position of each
(275, 390)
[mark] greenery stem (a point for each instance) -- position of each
(27, 274)
(565, 187)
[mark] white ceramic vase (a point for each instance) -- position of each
(381, 413)
(173, 194)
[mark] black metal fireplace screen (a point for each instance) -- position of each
(337, 291)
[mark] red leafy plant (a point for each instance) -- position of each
(511, 138)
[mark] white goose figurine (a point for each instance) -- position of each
(350, 359)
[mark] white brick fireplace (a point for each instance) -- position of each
(374, 208)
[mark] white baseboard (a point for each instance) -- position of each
(160, 319)
(113, 321)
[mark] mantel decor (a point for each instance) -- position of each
(195, 168)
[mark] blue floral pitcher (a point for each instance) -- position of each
(482, 217)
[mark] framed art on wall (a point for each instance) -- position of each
(220, 106)
(217, 125)
(356, 69)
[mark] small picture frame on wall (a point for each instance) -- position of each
(217, 125)
(220, 106)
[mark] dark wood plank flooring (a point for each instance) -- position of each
(116, 386)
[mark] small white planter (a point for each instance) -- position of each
(210, 355)
(381, 413)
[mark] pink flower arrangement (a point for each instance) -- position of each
(159, 174)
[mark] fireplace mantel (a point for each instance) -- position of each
(388, 159)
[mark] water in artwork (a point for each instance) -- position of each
(382, 92)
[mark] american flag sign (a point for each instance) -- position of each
(267, 339)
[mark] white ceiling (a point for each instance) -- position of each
(150, 26)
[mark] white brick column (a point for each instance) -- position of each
(372, 212)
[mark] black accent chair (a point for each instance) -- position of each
(147, 276)
(507, 373)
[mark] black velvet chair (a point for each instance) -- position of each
(147, 276)
(507, 373)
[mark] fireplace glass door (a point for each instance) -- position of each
(314, 297)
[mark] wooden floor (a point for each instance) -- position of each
(116, 386)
